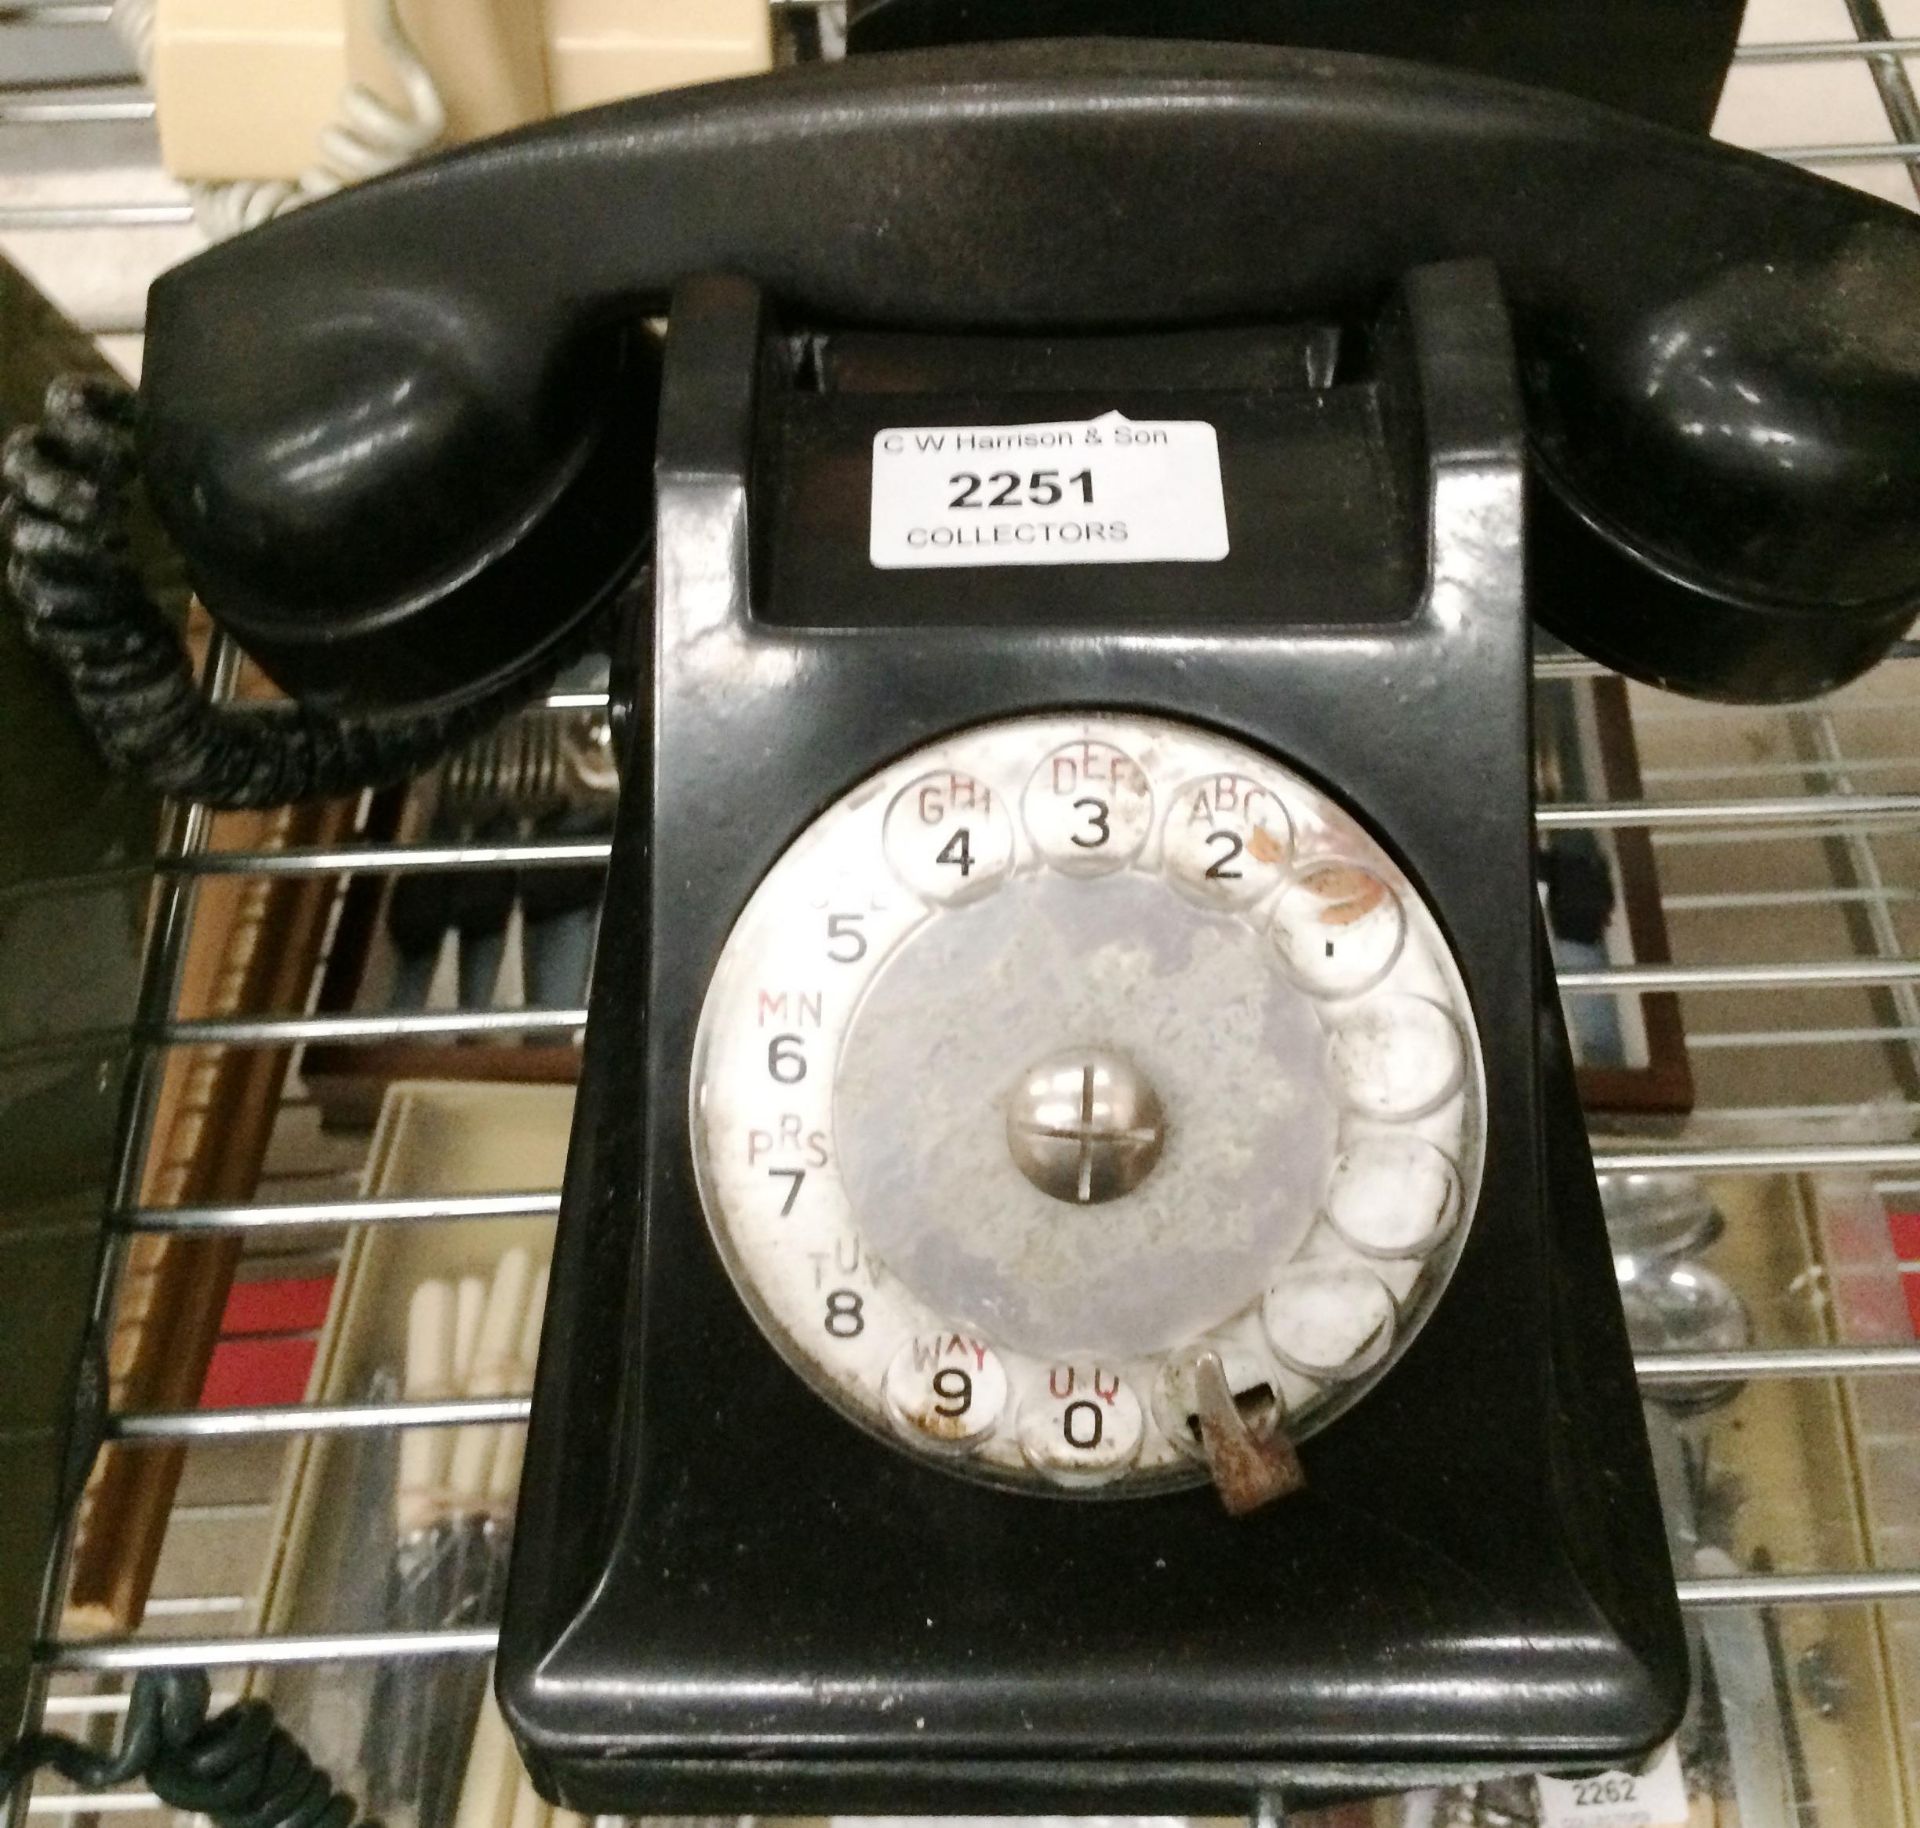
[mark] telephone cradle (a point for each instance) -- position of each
(1080, 1282)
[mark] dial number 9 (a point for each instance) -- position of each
(954, 1388)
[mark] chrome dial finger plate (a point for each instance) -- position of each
(1062, 1050)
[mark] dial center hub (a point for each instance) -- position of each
(1085, 1125)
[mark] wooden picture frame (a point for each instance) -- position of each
(1585, 751)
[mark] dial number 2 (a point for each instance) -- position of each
(1228, 839)
(1226, 846)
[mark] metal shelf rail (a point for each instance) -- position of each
(1832, 806)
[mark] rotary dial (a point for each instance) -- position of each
(1089, 1104)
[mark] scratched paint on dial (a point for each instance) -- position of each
(1061, 1050)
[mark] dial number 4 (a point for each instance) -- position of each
(957, 852)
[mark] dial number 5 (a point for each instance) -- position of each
(846, 944)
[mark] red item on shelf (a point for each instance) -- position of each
(268, 1339)
(1905, 1228)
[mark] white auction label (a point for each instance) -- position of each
(1106, 491)
(1655, 1798)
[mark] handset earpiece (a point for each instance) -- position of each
(398, 515)
(1727, 488)
(1720, 353)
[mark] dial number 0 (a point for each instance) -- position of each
(1082, 1425)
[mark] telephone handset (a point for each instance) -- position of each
(374, 426)
(1080, 1282)
(1667, 63)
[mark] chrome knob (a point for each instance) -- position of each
(1085, 1125)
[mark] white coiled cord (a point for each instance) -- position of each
(367, 136)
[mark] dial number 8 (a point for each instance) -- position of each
(845, 1318)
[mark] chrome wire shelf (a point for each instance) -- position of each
(188, 862)
(1838, 810)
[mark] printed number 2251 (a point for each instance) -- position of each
(1005, 489)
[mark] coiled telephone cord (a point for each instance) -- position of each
(240, 1767)
(368, 136)
(64, 525)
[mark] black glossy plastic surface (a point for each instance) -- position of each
(1350, 549)
(1721, 355)
(1659, 58)
(725, 1597)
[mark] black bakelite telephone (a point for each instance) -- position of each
(1080, 1282)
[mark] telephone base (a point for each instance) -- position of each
(726, 1597)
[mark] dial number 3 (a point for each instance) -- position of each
(1098, 824)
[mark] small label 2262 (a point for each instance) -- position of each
(1654, 1798)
